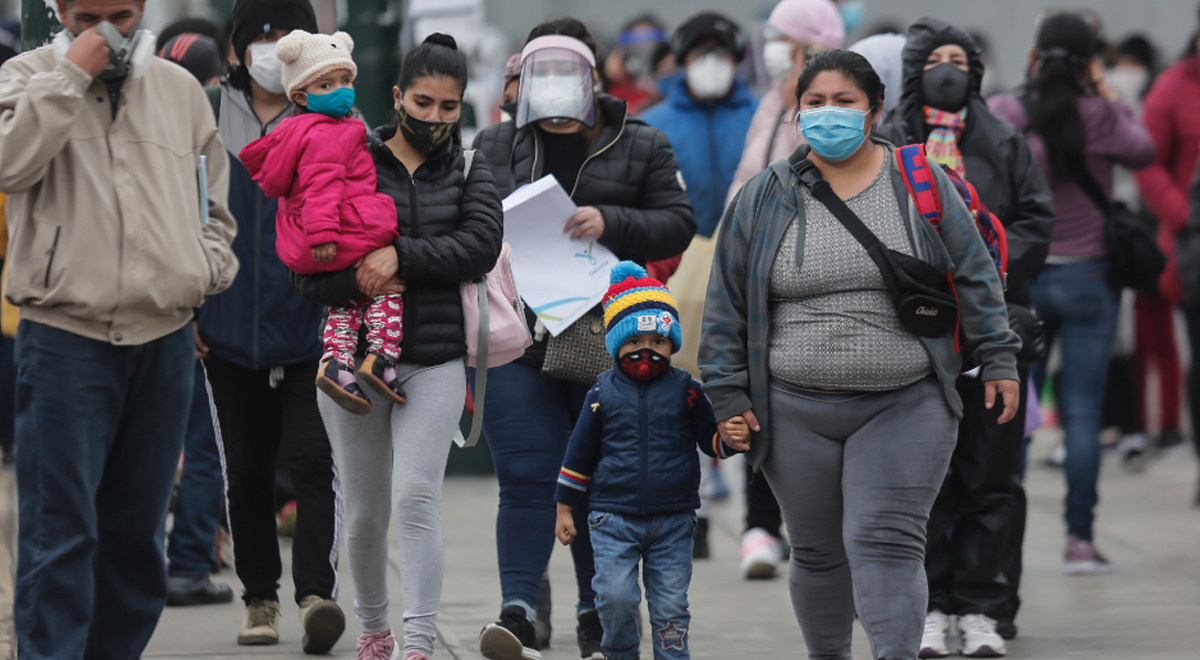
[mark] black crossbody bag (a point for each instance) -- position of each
(925, 301)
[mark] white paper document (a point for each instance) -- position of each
(560, 279)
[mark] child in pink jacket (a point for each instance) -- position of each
(330, 215)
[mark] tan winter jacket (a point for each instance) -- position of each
(106, 238)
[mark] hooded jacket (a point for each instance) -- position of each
(708, 139)
(451, 229)
(630, 175)
(998, 160)
(321, 168)
(260, 322)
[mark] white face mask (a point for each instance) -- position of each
(710, 77)
(1127, 81)
(265, 68)
(556, 96)
(777, 57)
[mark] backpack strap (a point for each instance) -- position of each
(481, 355)
(214, 99)
(914, 168)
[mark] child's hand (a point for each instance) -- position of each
(735, 432)
(564, 530)
(325, 252)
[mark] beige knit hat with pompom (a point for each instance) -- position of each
(307, 56)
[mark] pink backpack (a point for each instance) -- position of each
(494, 320)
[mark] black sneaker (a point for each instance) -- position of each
(196, 591)
(541, 621)
(700, 549)
(589, 633)
(1006, 629)
(511, 638)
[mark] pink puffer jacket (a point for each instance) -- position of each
(321, 168)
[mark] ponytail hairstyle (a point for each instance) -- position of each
(437, 57)
(1065, 46)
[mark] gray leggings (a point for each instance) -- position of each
(395, 459)
(856, 475)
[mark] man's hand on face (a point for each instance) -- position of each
(89, 52)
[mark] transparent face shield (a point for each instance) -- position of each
(556, 86)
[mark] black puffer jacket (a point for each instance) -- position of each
(630, 175)
(450, 232)
(996, 156)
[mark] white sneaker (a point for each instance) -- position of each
(979, 638)
(1134, 449)
(260, 625)
(933, 641)
(761, 554)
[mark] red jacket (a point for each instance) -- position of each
(321, 168)
(1171, 112)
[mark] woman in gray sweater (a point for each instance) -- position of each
(855, 415)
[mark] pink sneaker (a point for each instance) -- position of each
(1082, 558)
(376, 646)
(415, 655)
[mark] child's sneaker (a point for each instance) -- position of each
(380, 374)
(588, 634)
(339, 384)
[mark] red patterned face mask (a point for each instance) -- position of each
(644, 365)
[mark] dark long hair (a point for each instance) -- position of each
(1065, 45)
(437, 56)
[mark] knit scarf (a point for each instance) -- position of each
(945, 129)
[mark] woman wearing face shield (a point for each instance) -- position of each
(981, 499)
(854, 414)
(796, 30)
(623, 176)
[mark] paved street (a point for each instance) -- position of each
(1150, 608)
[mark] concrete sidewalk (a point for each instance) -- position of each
(1149, 608)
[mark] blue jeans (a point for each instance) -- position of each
(1080, 308)
(528, 420)
(191, 546)
(99, 431)
(663, 545)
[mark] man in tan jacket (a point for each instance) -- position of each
(110, 253)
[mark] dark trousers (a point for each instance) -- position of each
(976, 509)
(99, 429)
(1192, 314)
(528, 422)
(8, 396)
(762, 509)
(191, 546)
(254, 420)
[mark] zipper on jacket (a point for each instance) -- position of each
(51, 252)
(254, 330)
(714, 161)
(643, 447)
(536, 149)
(579, 177)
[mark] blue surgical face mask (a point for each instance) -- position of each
(834, 133)
(335, 104)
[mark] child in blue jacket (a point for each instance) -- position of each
(633, 452)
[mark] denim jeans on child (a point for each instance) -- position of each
(1080, 308)
(663, 546)
(527, 422)
(191, 546)
(99, 431)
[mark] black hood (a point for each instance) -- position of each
(924, 37)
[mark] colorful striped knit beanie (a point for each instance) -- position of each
(638, 304)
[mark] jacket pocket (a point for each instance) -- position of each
(45, 247)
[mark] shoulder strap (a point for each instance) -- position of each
(214, 99)
(468, 158)
(481, 369)
(810, 177)
(914, 168)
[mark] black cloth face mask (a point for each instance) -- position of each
(946, 87)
